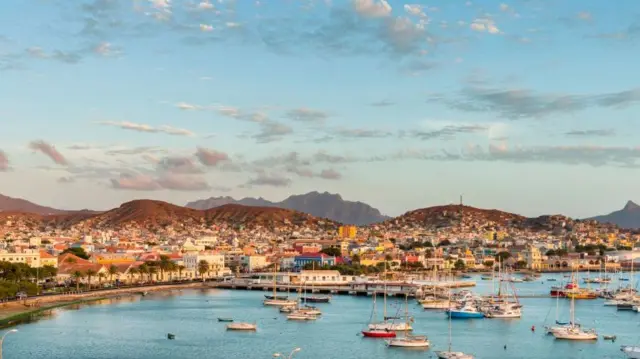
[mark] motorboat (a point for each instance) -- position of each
(242, 326)
(279, 297)
(467, 311)
(453, 355)
(228, 320)
(435, 303)
(316, 299)
(502, 312)
(631, 351)
(409, 341)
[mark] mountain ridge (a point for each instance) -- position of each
(628, 217)
(318, 204)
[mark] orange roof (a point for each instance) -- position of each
(44, 254)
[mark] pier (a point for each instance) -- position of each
(357, 288)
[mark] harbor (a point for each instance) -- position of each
(198, 319)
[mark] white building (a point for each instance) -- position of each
(216, 262)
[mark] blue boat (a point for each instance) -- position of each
(466, 312)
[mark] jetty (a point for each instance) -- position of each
(367, 288)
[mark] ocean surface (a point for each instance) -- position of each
(136, 328)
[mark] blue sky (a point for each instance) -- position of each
(529, 106)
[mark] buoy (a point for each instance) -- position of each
(505, 347)
(533, 328)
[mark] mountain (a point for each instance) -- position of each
(324, 205)
(628, 217)
(163, 217)
(10, 204)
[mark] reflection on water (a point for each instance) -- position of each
(136, 328)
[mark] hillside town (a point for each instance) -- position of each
(446, 238)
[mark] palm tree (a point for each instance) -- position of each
(143, 269)
(171, 269)
(203, 267)
(101, 277)
(180, 269)
(113, 270)
(90, 273)
(152, 271)
(132, 273)
(164, 265)
(77, 276)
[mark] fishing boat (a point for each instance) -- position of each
(242, 326)
(581, 294)
(551, 279)
(467, 311)
(486, 277)
(408, 340)
(227, 320)
(451, 354)
(316, 299)
(573, 331)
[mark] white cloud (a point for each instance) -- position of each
(372, 8)
(205, 5)
(484, 25)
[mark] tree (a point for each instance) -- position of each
(488, 264)
(203, 267)
(332, 251)
(502, 256)
(77, 276)
(101, 277)
(355, 259)
(550, 253)
(388, 258)
(143, 269)
(444, 242)
(77, 251)
(181, 268)
(113, 270)
(132, 273)
(90, 273)
(152, 271)
(164, 264)
(459, 265)
(521, 264)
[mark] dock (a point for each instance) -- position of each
(358, 289)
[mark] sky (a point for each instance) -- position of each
(529, 106)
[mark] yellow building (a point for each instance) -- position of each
(109, 259)
(47, 259)
(347, 231)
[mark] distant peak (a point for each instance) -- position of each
(630, 206)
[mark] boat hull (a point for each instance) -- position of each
(631, 351)
(464, 315)
(278, 302)
(403, 343)
(453, 355)
(378, 334)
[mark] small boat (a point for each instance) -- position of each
(410, 341)
(297, 315)
(278, 297)
(609, 337)
(226, 320)
(466, 276)
(171, 336)
(453, 355)
(466, 312)
(623, 279)
(316, 299)
(379, 333)
(242, 327)
(575, 333)
(624, 306)
(551, 279)
(278, 302)
(484, 277)
(631, 351)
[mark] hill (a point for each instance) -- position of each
(628, 217)
(163, 217)
(323, 205)
(10, 204)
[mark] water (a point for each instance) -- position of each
(137, 328)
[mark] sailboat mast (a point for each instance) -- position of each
(384, 281)
(449, 321)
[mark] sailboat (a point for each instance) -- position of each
(315, 298)
(276, 300)
(559, 325)
(574, 331)
(302, 313)
(431, 302)
(450, 354)
(377, 333)
(504, 308)
(389, 323)
(409, 340)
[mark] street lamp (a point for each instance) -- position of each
(2, 339)
(277, 355)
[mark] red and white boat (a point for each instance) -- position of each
(558, 291)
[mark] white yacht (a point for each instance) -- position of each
(631, 351)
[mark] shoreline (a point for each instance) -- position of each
(14, 313)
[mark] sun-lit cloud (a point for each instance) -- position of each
(48, 150)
